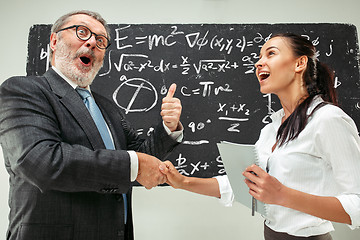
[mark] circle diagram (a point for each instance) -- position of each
(135, 95)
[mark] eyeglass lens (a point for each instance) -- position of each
(84, 33)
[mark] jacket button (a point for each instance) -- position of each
(120, 233)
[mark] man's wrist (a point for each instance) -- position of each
(134, 165)
(176, 135)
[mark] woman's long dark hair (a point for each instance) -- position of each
(319, 80)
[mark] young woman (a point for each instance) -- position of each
(309, 171)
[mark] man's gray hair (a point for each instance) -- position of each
(65, 19)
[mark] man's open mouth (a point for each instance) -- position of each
(85, 60)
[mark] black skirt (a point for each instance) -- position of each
(270, 234)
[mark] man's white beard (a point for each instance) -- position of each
(65, 62)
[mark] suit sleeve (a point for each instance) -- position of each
(158, 144)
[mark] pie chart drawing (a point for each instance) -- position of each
(135, 95)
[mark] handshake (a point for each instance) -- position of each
(153, 172)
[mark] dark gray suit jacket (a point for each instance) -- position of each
(64, 184)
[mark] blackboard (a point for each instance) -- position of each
(213, 67)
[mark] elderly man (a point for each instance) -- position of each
(70, 153)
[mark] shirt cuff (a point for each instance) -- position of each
(227, 195)
(351, 205)
(176, 135)
(134, 165)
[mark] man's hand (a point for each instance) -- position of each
(174, 178)
(171, 109)
(149, 174)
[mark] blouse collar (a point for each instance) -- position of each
(277, 116)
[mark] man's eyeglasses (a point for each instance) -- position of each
(84, 33)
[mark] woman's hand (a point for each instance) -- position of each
(268, 189)
(204, 186)
(174, 178)
(263, 186)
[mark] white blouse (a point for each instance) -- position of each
(324, 160)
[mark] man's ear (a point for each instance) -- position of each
(53, 41)
(301, 64)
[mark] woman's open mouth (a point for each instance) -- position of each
(263, 75)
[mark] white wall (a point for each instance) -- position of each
(164, 213)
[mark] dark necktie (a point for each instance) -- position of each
(101, 125)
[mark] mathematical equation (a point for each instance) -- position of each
(141, 62)
(195, 40)
(188, 168)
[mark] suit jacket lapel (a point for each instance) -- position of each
(73, 102)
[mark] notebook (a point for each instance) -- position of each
(236, 158)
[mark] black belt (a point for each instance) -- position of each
(270, 234)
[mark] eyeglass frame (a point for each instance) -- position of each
(91, 33)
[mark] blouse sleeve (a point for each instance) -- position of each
(339, 142)
(227, 195)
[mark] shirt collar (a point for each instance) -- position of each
(316, 101)
(72, 84)
(277, 116)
